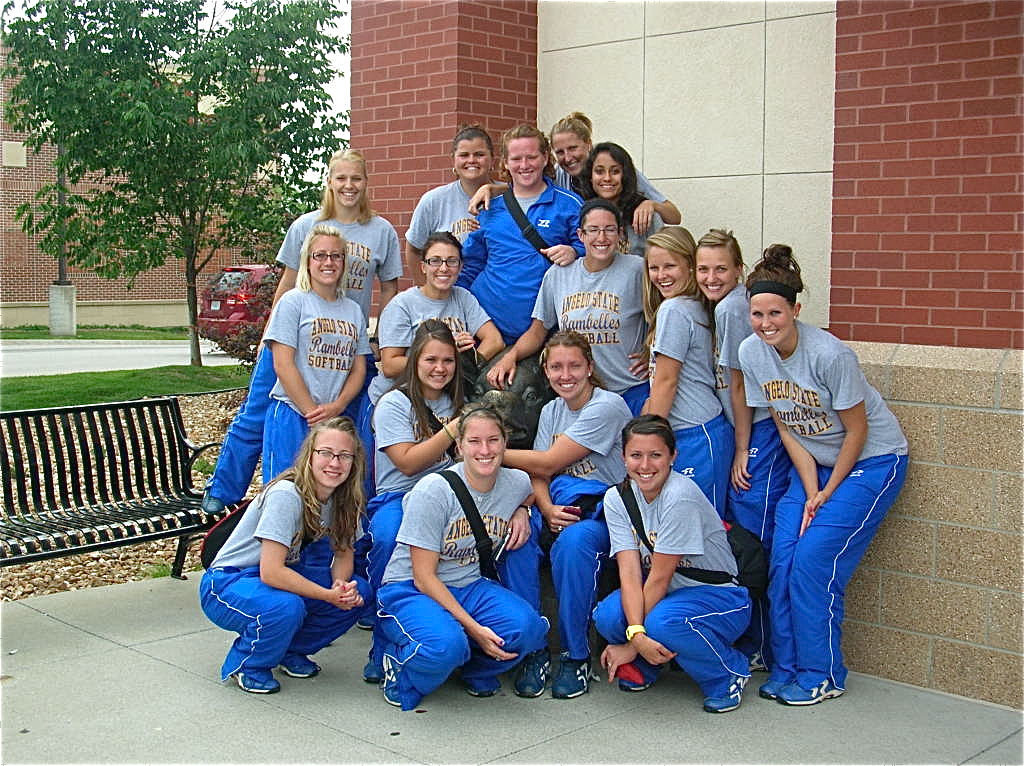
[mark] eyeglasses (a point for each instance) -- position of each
(451, 263)
(325, 256)
(593, 231)
(330, 457)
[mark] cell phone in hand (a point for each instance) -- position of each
(500, 550)
(573, 509)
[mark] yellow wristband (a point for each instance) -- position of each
(633, 630)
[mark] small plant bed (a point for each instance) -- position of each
(96, 332)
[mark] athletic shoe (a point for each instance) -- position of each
(532, 674)
(485, 687)
(730, 701)
(371, 673)
(794, 694)
(757, 663)
(257, 682)
(367, 622)
(211, 504)
(770, 689)
(389, 684)
(631, 679)
(299, 666)
(573, 678)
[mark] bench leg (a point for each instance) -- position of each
(179, 557)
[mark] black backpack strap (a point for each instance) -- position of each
(633, 509)
(516, 211)
(484, 547)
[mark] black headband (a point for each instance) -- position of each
(777, 288)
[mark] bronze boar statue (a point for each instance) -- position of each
(521, 403)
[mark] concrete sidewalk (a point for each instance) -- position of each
(128, 674)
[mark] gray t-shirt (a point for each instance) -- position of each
(432, 519)
(597, 425)
(732, 325)
(398, 321)
(372, 250)
(605, 306)
(682, 333)
(637, 243)
(680, 522)
(395, 423)
(821, 377)
(275, 514)
(443, 208)
(326, 336)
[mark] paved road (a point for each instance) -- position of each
(55, 357)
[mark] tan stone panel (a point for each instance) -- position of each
(945, 493)
(778, 9)
(1009, 507)
(888, 653)
(903, 545)
(1011, 393)
(876, 362)
(799, 95)
(944, 375)
(921, 424)
(1004, 621)
(798, 212)
(979, 556)
(930, 606)
(664, 16)
(563, 24)
(973, 671)
(863, 595)
(732, 202)
(983, 439)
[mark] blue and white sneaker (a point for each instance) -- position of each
(367, 622)
(211, 504)
(257, 682)
(731, 700)
(371, 673)
(573, 679)
(794, 694)
(532, 674)
(389, 684)
(486, 687)
(299, 666)
(770, 689)
(757, 664)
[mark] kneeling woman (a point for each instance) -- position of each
(283, 580)
(576, 457)
(849, 462)
(659, 614)
(436, 612)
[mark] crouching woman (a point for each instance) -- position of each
(659, 614)
(436, 611)
(283, 580)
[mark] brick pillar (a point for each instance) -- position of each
(927, 199)
(419, 69)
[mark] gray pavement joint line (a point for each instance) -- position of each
(108, 639)
(994, 744)
(566, 733)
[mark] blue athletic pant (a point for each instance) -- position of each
(809, 573)
(699, 623)
(425, 643)
(754, 509)
(272, 622)
(637, 396)
(244, 438)
(283, 433)
(704, 453)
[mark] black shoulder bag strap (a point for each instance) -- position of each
(516, 211)
(484, 548)
(709, 576)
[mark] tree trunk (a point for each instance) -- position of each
(191, 297)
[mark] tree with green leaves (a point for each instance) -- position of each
(184, 126)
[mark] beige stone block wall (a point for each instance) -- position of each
(937, 599)
(170, 313)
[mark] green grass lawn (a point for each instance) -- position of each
(98, 332)
(31, 392)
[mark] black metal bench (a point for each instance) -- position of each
(81, 479)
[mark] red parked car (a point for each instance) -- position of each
(237, 298)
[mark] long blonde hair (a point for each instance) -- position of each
(347, 501)
(302, 279)
(678, 241)
(327, 206)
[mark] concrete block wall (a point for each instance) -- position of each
(937, 599)
(928, 203)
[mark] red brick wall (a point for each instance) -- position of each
(421, 68)
(927, 198)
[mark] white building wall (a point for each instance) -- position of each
(726, 106)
